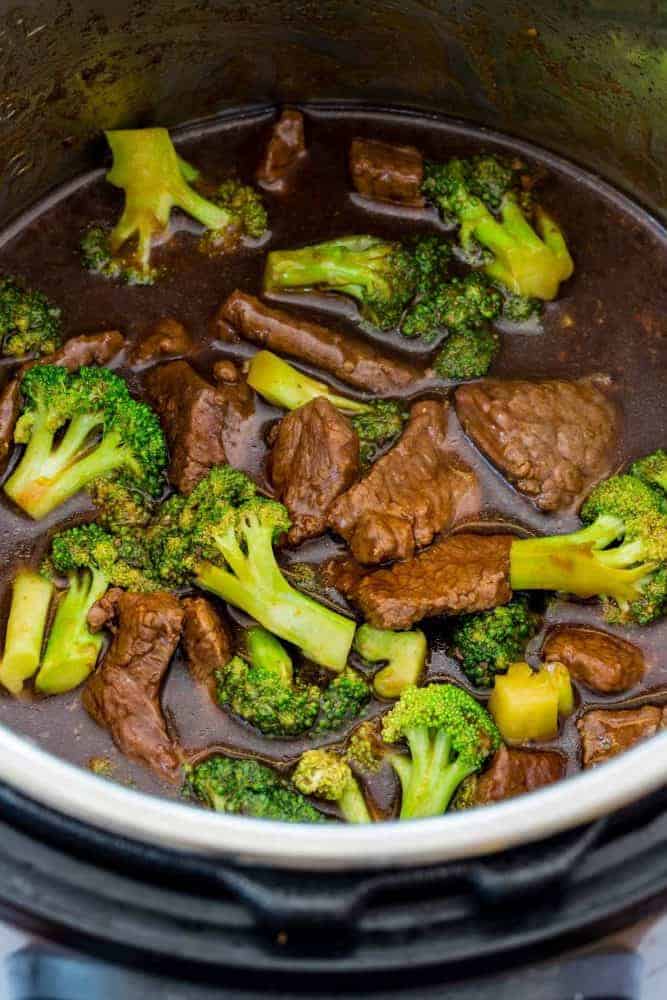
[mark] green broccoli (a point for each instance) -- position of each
(26, 624)
(382, 276)
(80, 427)
(341, 701)
(619, 556)
(29, 323)
(521, 309)
(459, 304)
(155, 180)
(365, 750)
(526, 261)
(90, 559)
(240, 785)
(467, 354)
(449, 736)
(120, 509)
(221, 538)
(488, 641)
(404, 654)
(327, 775)
(652, 469)
(264, 691)
(378, 422)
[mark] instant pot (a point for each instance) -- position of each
(183, 903)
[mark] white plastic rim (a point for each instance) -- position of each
(336, 846)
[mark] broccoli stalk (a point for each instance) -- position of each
(328, 776)
(377, 422)
(29, 323)
(79, 428)
(403, 652)
(487, 642)
(449, 736)
(619, 556)
(245, 786)
(221, 538)
(26, 624)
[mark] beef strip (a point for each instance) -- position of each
(553, 439)
(410, 494)
(607, 732)
(315, 458)
(353, 360)
(514, 772)
(226, 371)
(285, 151)
(10, 405)
(123, 694)
(207, 640)
(166, 338)
(386, 172)
(603, 662)
(458, 574)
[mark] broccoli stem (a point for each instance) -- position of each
(31, 599)
(353, 805)
(282, 385)
(266, 652)
(327, 264)
(72, 649)
(428, 779)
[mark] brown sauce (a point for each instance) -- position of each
(611, 317)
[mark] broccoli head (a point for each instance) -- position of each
(120, 508)
(652, 469)
(403, 653)
(328, 776)
(244, 786)
(221, 538)
(78, 428)
(365, 750)
(32, 594)
(449, 736)
(619, 556)
(488, 641)
(341, 701)
(459, 304)
(521, 308)
(247, 217)
(467, 354)
(29, 323)
(481, 195)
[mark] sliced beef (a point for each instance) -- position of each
(603, 662)
(344, 574)
(458, 574)
(285, 150)
(226, 371)
(315, 458)
(386, 172)
(412, 493)
(352, 359)
(167, 338)
(607, 732)
(207, 640)
(514, 772)
(123, 694)
(10, 405)
(553, 439)
(88, 349)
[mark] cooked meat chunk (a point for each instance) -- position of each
(88, 349)
(602, 662)
(514, 772)
(416, 490)
(351, 359)
(226, 371)
(207, 640)
(104, 611)
(314, 460)
(343, 574)
(552, 439)
(458, 574)
(167, 338)
(606, 732)
(387, 173)
(10, 404)
(284, 152)
(123, 695)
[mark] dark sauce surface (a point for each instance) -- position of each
(611, 317)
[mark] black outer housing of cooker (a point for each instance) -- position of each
(568, 77)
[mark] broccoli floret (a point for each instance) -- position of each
(449, 736)
(29, 323)
(245, 786)
(619, 556)
(80, 427)
(652, 469)
(24, 635)
(155, 180)
(403, 652)
(488, 641)
(365, 749)
(328, 776)
(341, 701)
(526, 261)
(460, 304)
(467, 354)
(381, 275)
(120, 509)
(520, 308)
(91, 559)
(377, 422)
(264, 692)
(221, 538)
